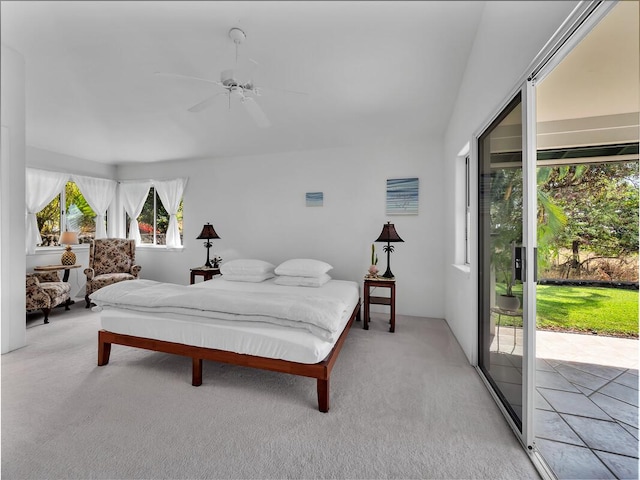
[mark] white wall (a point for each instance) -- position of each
(12, 231)
(257, 206)
(58, 162)
(509, 37)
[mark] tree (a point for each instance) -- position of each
(85, 220)
(601, 205)
(49, 217)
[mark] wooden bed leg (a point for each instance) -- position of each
(104, 350)
(323, 395)
(196, 378)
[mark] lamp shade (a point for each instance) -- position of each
(389, 234)
(69, 238)
(207, 233)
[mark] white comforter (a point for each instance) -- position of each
(319, 315)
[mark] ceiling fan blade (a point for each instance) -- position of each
(262, 87)
(187, 77)
(256, 112)
(198, 107)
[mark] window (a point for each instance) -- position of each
(68, 210)
(467, 211)
(154, 220)
(462, 210)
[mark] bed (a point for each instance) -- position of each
(291, 329)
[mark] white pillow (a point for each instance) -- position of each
(303, 267)
(256, 278)
(302, 281)
(246, 267)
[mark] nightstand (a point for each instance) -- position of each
(373, 283)
(205, 272)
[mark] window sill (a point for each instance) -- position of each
(159, 248)
(466, 269)
(59, 249)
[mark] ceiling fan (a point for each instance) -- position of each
(244, 91)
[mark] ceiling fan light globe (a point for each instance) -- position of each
(237, 35)
(226, 76)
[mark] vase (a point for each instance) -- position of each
(510, 303)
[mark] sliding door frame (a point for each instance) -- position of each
(578, 24)
(524, 432)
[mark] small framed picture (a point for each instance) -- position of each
(402, 196)
(314, 199)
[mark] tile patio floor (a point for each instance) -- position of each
(586, 417)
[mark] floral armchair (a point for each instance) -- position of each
(45, 291)
(111, 260)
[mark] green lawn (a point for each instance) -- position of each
(606, 311)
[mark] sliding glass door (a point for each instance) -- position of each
(507, 150)
(503, 299)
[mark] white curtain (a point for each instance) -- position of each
(170, 193)
(41, 186)
(98, 192)
(133, 195)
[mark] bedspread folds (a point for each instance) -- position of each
(320, 316)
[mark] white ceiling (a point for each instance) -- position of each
(601, 75)
(371, 70)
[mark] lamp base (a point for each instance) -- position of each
(388, 274)
(68, 257)
(208, 263)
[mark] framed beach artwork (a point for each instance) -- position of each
(314, 199)
(402, 196)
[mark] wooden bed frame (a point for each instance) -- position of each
(320, 371)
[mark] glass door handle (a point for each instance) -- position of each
(519, 264)
(519, 271)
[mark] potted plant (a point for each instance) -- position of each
(503, 264)
(506, 227)
(373, 269)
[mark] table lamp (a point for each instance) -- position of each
(207, 233)
(68, 239)
(389, 235)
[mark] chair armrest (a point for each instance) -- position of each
(36, 297)
(47, 276)
(89, 272)
(32, 282)
(135, 270)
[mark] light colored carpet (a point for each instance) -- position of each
(403, 405)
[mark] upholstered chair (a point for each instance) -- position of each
(45, 291)
(111, 260)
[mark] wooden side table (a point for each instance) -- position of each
(51, 268)
(207, 273)
(370, 283)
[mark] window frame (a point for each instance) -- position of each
(63, 218)
(126, 223)
(467, 214)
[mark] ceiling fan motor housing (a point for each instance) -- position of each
(237, 35)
